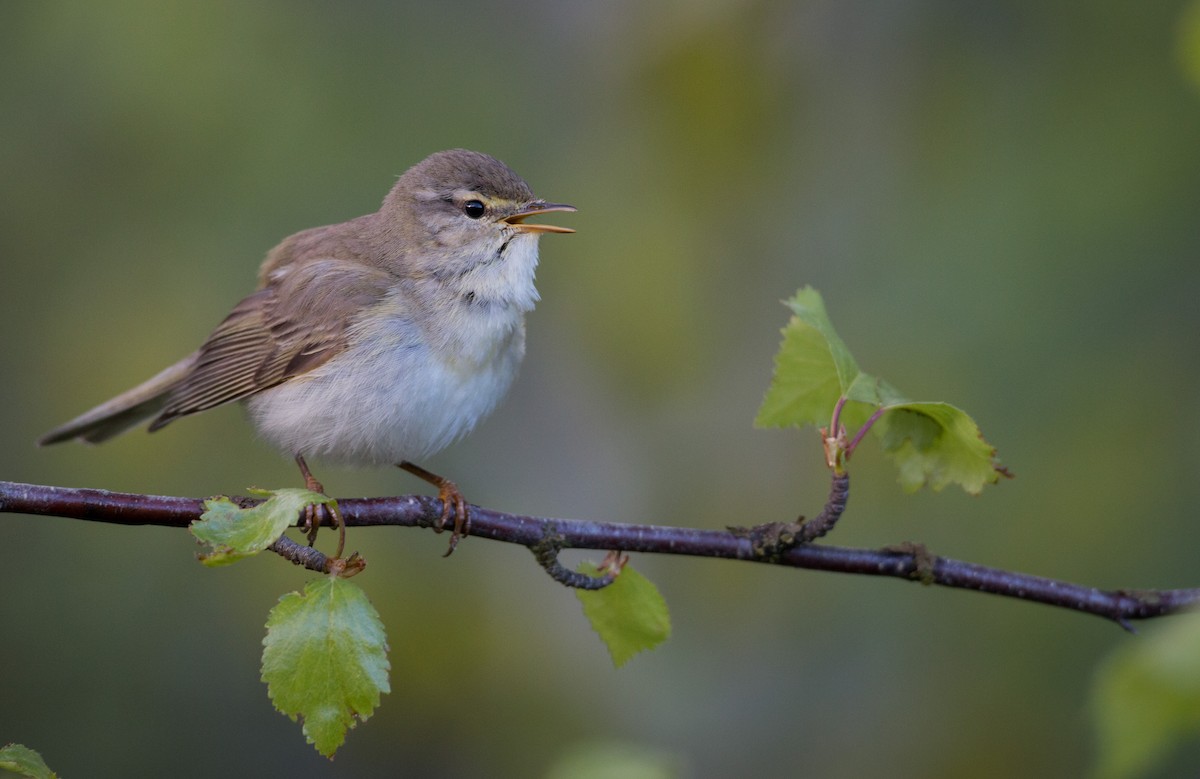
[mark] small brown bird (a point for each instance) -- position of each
(380, 340)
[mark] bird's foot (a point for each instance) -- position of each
(316, 514)
(453, 505)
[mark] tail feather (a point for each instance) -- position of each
(125, 410)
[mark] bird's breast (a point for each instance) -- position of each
(401, 390)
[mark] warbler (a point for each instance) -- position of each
(380, 340)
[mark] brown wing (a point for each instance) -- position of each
(294, 324)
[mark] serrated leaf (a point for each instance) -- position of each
(931, 443)
(22, 760)
(235, 533)
(809, 307)
(937, 444)
(630, 614)
(1146, 698)
(813, 368)
(325, 659)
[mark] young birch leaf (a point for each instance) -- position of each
(325, 659)
(24, 761)
(630, 614)
(1146, 698)
(235, 533)
(937, 444)
(809, 307)
(813, 368)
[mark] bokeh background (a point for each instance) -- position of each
(999, 202)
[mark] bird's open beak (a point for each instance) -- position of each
(517, 220)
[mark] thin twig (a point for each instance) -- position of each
(546, 553)
(1120, 606)
(835, 504)
(301, 554)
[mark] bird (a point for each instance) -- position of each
(380, 340)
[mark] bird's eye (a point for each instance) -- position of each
(474, 208)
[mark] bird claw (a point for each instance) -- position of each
(316, 513)
(453, 503)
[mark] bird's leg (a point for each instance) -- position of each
(315, 513)
(452, 503)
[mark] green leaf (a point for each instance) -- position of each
(937, 444)
(630, 614)
(325, 659)
(24, 761)
(813, 368)
(235, 533)
(1146, 698)
(931, 443)
(809, 308)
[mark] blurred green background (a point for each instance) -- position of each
(999, 202)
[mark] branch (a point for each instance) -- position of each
(910, 561)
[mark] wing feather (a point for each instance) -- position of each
(296, 323)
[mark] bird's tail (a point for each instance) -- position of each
(125, 410)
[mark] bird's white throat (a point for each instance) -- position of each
(505, 274)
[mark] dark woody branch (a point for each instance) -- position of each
(771, 543)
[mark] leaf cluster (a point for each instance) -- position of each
(818, 382)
